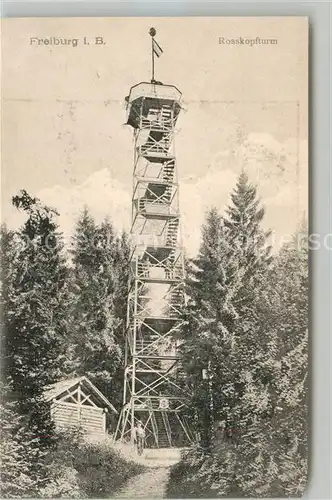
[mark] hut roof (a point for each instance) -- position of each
(55, 390)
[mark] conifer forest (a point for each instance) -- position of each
(243, 345)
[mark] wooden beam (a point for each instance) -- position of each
(104, 422)
(87, 397)
(75, 405)
(68, 396)
(79, 414)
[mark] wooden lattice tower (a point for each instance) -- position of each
(152, 385)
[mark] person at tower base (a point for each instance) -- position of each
(139, 437)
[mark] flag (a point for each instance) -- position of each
(156, 48)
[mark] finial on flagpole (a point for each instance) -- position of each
(152, 32)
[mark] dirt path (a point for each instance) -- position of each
(149, 484)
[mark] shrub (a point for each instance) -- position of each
(102, 470)
(63, 482)
(75, 468)
(82, 469)
(251, 469)
(14, 468)
(19, 457)
(190, 478)
(62, 477)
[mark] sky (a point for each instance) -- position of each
(64, 137)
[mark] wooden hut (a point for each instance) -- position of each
(78, 402)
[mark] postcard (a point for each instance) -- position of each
(154, 257)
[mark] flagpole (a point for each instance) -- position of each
(152, 33)
(152, 59)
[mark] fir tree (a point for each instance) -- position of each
(222, 331)
(247, 321)
(245, 235)
(274, 451)
(34, 318)
(33, 298)
(14, 447)
(22, 463)
(210, 318)
(121, 284)
(98, 257)
(248, 246)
